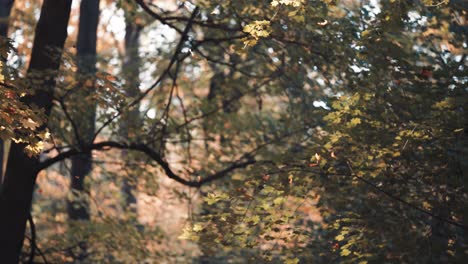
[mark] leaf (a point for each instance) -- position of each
(291, 261)
(279, 200)
(294, 3)
(345, 252)
(365, 33)
(299, 19)
(29, 124)
(258, 29)
(188, 235)
(2, 78)
(212, 198)
(354, 122)
(254, 219)
(250, 42)
(197, 227)
(34, 148)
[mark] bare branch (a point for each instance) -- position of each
(174, 58)
(243, 162)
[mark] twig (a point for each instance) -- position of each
(32, 241)
(396, 198)
(174, 59)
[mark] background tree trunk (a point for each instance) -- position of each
(85, 115)
(21, 172)
(130, 120)
(5, 10)
(81, 165)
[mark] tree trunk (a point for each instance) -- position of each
(81, 165)
(5, 10)
(86, 55)
(21, 172)
(131, 119)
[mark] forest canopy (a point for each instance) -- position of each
(272, 131)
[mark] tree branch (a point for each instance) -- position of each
(396, 198)
(243, 162)
(33, 239)
(183, 38)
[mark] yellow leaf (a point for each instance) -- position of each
(427, 205)
(255, 219)
(250, 42)
(278, 200)
(197, 227)
(34, 149)
(258, 29)
(339, 238)
(188, 235)
(294, 3)
(354, 122)
(2, 78)
(291, 261)
(345, 252)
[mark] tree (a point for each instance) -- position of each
(131, 120)
(84, 122)
(20, 175)
(86, 55)
(5, 7)
(313, 131)
(378, 147)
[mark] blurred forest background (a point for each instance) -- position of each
(270, 131)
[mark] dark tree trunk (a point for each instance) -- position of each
(5, 10)
(131, 119)
(21, 172)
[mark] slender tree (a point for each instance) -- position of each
(21, 172)
(5, 10)
(131, 119)
(86, 55)
(81, 165)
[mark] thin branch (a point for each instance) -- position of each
(218, 108)
(156, 16)
(243, 162)
(72, 122)
(33, 239)
(187, 130)
(174, 59)
(396, 198)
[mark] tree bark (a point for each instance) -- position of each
(84, 115)
(21, 172)
(130, 120)
(5, 10)
(81, 165)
